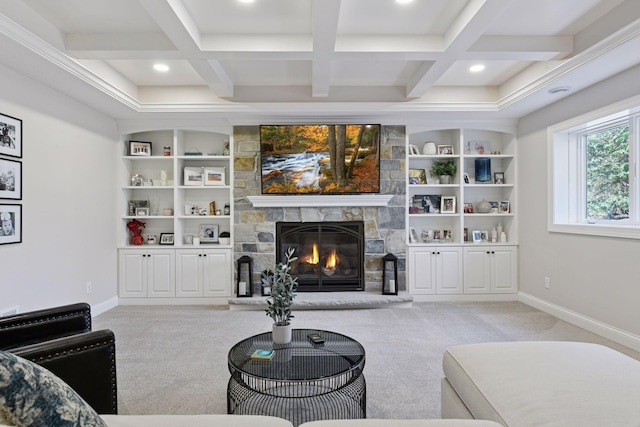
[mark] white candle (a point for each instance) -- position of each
(392, 285)
(242, 288)
(196, 241)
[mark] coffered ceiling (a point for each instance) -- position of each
(304, 57)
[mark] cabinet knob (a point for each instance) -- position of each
(488, 252)
(493, 252)
(199, 255)
(205, 255)
(144, 255)
(149, 255)
(438, 253)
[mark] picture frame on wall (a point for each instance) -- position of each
(139, 148)
(11, 134)
(10, 224)
(10, 179)
(209, 233)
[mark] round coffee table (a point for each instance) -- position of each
(302, 381)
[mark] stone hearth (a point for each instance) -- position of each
(330, 301)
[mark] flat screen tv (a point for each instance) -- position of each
(320, 159)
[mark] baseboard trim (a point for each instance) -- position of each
(617, 335)
(104, 306)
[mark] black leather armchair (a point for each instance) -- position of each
(60, 339)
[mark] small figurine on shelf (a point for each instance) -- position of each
(134, 226)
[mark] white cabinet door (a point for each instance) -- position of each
(504, 271)
(161, 275)
(421, 271)
(146, 273)
(490, 270)
(216, 272)
(132, 279)
(435, 270)
(448, 270)
(189, 273)
(477, 270)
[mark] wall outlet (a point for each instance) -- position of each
(89, 288)
(547, 283)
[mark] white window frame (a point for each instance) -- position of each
(567, 175)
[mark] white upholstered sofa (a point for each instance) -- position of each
(540, 384)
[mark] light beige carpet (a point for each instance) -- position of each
(173, 359)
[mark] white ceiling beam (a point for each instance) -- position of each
(120, 46)
(174, 19)
(525, 48)
(325, 27)
(466, 29)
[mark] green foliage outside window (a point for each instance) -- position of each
(608, 173)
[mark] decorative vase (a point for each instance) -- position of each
(281, 334)
(483, 206)
(445, 179)
(483, 169)
(429, 148)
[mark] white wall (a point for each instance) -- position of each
(69, 158)
(594, 280)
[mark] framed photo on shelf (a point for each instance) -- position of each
(11, 134)
(193, 176)
(479, 147)
(465, 176)
(468, 208)
(10, 179)
(445, 149)
(484, 235)
(10, 224)
(135, 204)
(142, 211)
(495, 207)
(447, 235)
(429, 203)
(498, 177)
(505, 207)
(466, 234)
(448, 204)
(208, 233)
(139, 148)
(413, 235)
(413, 150)
(166, 238)
(417, 176)
(476, 236)
(214, 176)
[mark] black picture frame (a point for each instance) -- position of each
(140, 148)
(10, 136)
(10, 216)
(10, 179)
(167, 239)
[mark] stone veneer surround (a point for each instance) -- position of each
(254, 228)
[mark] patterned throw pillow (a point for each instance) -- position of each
(32, 396)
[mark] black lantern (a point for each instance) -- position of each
(389, 275)
(245, 272)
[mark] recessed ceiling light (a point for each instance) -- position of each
(161, 67)
(404, 1)
(477, 68)
(246, 1)
(559, 89)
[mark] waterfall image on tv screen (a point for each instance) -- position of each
(320, 159)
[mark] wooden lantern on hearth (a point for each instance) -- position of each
(245, 273)
(389, 275)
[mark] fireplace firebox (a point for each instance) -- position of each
(330, 254)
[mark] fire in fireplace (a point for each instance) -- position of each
(330, 254)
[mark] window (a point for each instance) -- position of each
(593, 187)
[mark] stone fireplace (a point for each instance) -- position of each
(254, 231)
(330, 254)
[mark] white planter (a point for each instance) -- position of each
(224, 240)
(281, 334)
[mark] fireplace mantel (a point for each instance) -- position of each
(319, 201)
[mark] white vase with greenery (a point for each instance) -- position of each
(283, 290)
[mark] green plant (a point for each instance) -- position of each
(443, 167)
(283, 290)
(225, 234)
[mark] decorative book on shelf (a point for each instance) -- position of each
(261, 354)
